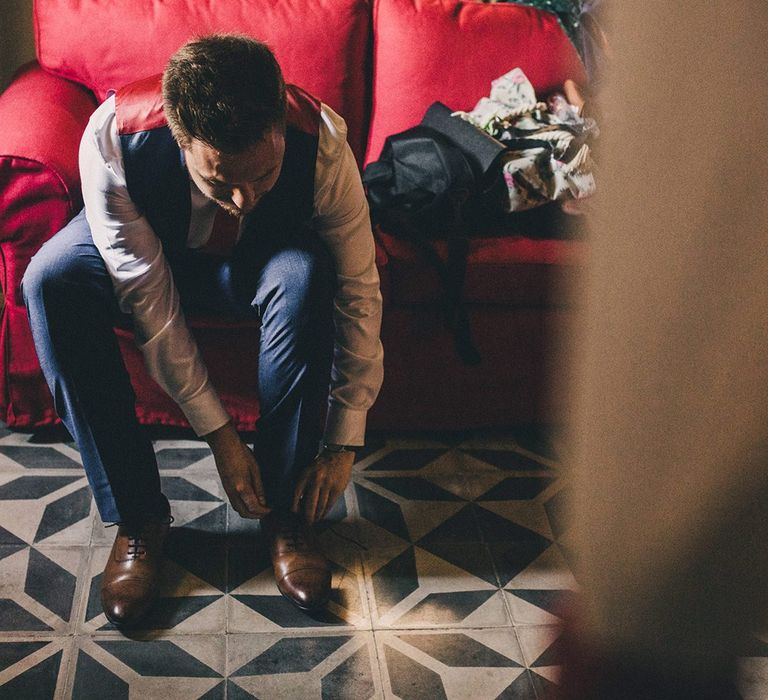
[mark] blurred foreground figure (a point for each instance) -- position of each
(670, 370)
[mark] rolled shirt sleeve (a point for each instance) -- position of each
(142, 278)
(343, 223)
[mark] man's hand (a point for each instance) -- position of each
(321, 484)
(239, 472)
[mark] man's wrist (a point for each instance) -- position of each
(336, 448)
(221, 436)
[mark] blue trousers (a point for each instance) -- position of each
(285, 279)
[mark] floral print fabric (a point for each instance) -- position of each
(548, 157)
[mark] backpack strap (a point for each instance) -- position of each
(452, 275)
(456, 266)
(401, 187)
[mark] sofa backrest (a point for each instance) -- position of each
(428, 50)
(322, 45)
(423, 50)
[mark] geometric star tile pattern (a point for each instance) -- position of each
(450, 577)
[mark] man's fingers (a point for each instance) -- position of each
(237, 504)
(298, 493)
(310, 501)
(251, 502)
(332, 498)
(258, 487)
(253, 496)
(244, 501)
(322, 504)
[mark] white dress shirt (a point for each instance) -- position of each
(144, 284)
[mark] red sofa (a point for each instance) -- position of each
(380, 64)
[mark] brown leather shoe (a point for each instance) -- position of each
(129, 585)
(302, 573)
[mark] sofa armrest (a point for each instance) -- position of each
(43, 118)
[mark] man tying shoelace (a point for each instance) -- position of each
(214, 189)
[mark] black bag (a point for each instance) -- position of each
(433, 181)
(434, 177)
(417, 187)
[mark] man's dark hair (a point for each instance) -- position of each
(225, 90)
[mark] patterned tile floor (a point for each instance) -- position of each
(450, 562)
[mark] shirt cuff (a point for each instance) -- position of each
(345, 426)
(205, 412)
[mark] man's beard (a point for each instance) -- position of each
(232, 211)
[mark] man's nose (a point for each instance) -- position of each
(244, 198)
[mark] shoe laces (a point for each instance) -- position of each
(137, 545)
(293, 537)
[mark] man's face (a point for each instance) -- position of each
(236, 182)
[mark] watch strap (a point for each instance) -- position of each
(333, 447)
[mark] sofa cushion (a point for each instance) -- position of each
(428, 50)
(514, 271)
(105, 44)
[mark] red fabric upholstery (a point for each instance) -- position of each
(428, 50)
(42, 120)
(427, 387)
(514, 271)
(105, 44)
(42, 117)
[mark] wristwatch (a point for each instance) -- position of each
(332, 447)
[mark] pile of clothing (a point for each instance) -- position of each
(549, 153)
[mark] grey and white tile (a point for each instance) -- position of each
(540, 645)
(152, 667)
(45, 509)
(34, 668)
(410, 587)
(38, 588)
(447, 565)
(304, 665)
(471, 663)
